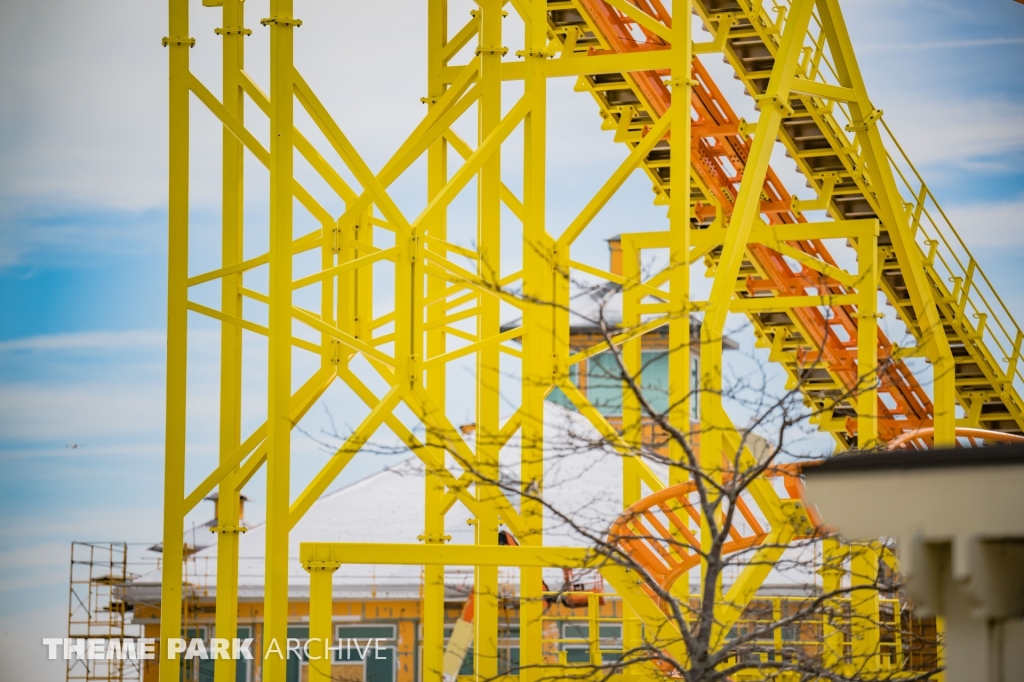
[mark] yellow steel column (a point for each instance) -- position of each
(485, 650)
(679, 398)
(940, 648)
(890, 205)
(867, 342)
(321, 614)
(275, 628)
(746, 209)
(228, 527)
(363, 298)
(539, 364)
(864, 611)
(632, 428)
(178, 44)
(433, 528)
(632, 359)
(679, 235)
(832, 572)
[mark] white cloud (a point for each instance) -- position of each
(142, 523)
(106, 340)
(952, 131)
(78, 414)
(991, 224)
(939, 45)
(34, 556)
(137, 449)
(83, 99)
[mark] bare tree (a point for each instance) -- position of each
(844, 616)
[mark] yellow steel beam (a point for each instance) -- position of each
(432, 293)
(894, 217)
(745, 211)
(356, 440)
(178, 44)
(679, 372)
(438, 54)
(448, 555)
(247, 325)
(304, 146)
(301, 402)
(228, 504)
(575, 66)
(508, 197)
(341, 269)
(645, 20)
(321, 619)
(279, 426)
(614, 182)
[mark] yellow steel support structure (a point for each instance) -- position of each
(809, 77)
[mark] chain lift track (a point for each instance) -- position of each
(631, 102)
(764, 249)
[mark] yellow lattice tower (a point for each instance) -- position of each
(803, 69)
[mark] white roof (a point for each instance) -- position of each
(583, 481)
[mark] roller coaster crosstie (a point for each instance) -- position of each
(387, 336)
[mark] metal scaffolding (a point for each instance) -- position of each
(96, 609)
(726, 208)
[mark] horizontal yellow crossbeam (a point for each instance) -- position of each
(247, 325)
(473, 347)
(788, 302)
(507, 195)
(447, 555)
(591, 65)
(609, 433)
(453, 273)
(772, 234)
(308, 241)
(235, 127)
(629, 284)
(615, 181)
(307, 394)
(354, 264)
(803, 86)
(443, 246)
(316, 323)
(813, 263)
(625, 336)
(305, 147)
(643, 19)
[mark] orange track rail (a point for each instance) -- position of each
(720, 166)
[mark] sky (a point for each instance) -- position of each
(83, 230)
